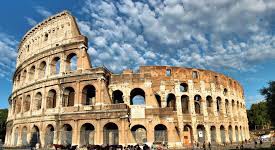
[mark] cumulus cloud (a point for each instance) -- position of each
(43, 11)
(214, 34)
(7, 54)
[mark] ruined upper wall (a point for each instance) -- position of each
(53, 31)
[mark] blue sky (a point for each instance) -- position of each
(228, 36)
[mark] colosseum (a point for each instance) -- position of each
(59, 98)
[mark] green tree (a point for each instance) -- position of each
(258, 115)
(3, 119)
(269, 94)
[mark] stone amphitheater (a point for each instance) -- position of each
(59, 98)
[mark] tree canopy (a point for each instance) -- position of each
(3, 118)
(269, 94)
(258, 115)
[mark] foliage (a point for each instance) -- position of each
(3, 118)
(269, 94)
(258, 115)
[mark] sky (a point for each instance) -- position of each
(233, 37)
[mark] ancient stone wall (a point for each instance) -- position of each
(58, 98)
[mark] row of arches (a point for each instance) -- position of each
(138, 131)
(41, 70)
(87, 134)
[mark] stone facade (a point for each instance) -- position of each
(58, 97)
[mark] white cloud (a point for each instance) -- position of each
(208, 34)
(31, 21)
(43, 11)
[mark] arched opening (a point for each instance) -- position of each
(195, 75)
(31, 73)
(110, 134)
(171, 101)
(230, 133)
(24, 136)
(197, 103)
(51, 99)
(222, 132)
(49, 136)
(241, 133)
(209, 104)
(139, 133)
(71, 62)
(213, 134)
(15, 136)
(185, 104)
(35, 136)
(24, 76)
(225, 91)
(237, 134)
(37, 101)
(55, 66)
(233, 106)
(226, 106)
(218, 101)
(137, 97)
(201, 133)
(66, 135)
(88, 95)
(18, 79)
(117, 97)
(42, 69)
(69, 96)
(18, 105)
(87, 133)
(158, 98)
(161, 134)
(187, 134)
(183, 87)
(26, 103)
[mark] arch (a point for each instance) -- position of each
(24, 136)
(117, 97)
(71, 62)
(158, 98)
(171, 101)
(187, 134)
(137, 97)
(225, 91)
(140, 134)
(55, 66)
(66, 134)
(183, 87)
(32, 73)
(18, 105)
(209, 104)
(110, 134)
(35, 136)
(87, 134)
(42, 69)
(222, 133)
(69, 96)
(160, 133)
(26, 103)
(185, 104)
(230, 133)
(15, 136)
(197, 103)
(213, 134)
(18, 79)
(201, 133)
(195, 75)
(24, 76)
(226, 106)
(88, 95)
(237, 133)
(51, 99)
(37, 101)
(218, 101)
(49, 136)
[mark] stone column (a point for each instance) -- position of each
(208, 134)
(19, 141)
(98, 133)
(195, 133)
(218, 134)
(226, 134)
(74, 133)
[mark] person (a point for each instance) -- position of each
(209, 145)
(204, 146)
(255, 142)
(261, 142)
